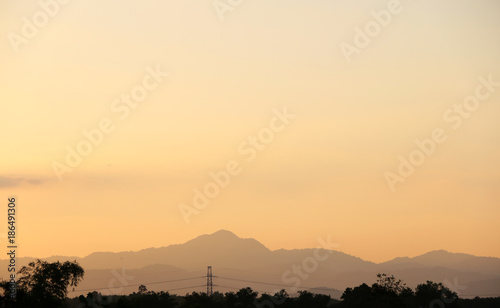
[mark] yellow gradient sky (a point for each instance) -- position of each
(322, 175)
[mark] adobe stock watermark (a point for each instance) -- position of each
(95, 300)
(298, 273)
(115, 287)
(301, 272)
(249, 149)
(363, 36)
(119, 281)
(444, 300)
(454, 116)
(48, 9)
(222, 7)
(121, 107)
(455, 286)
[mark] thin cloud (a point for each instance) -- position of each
(17, 181)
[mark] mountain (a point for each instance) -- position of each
(222, 248)
(239, 262)
(442, 258)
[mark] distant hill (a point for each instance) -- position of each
(442, 258)
(239, 262)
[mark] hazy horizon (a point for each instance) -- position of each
(229, 231)
(237, 262)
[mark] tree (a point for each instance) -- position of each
(281, 297)
(246, 297)
(389, 284)
(386, 292)
(44, 284)
(429, 292)
(359, 297)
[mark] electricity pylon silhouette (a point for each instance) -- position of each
(210, 285)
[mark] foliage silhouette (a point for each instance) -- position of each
(42, 284)
(383, 293)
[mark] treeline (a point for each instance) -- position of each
(45, 285)
(387, 292)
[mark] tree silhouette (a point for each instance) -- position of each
(390, 284)
(44, 284)
(246, 297)
(359, 297)
(429, 292)
(386, 292)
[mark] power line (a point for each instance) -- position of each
(228, 287)
(136, 285)
(242, 280)
(149, 272)
(186, 288)
(274, 284)
(210, 284)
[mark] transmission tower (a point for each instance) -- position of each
(210, 285)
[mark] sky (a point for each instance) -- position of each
(309, 112)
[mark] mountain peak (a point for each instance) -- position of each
(224, 239)
(224, 233)
(439, 251)
(443, 253)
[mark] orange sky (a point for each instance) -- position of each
(322, 173)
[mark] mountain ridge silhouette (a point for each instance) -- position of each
(249, 260)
